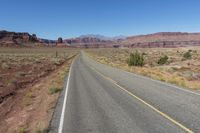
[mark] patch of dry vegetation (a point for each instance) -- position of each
(179, 66)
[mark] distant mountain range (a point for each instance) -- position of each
(101, 37)
(161, 39)
(47, 41)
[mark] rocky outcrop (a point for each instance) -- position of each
(60, 40)
(60, 43)
(16, 38)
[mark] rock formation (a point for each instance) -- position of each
(163, 39)
(60, 40)
(16, 38)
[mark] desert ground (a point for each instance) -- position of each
(178, 70)
(30, 79)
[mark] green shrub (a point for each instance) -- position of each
(187, 55)
(136, 59)
(163, 60)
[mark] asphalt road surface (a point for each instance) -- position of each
(102, 99)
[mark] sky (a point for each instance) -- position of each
(71, 18)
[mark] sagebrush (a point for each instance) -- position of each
(136, 59)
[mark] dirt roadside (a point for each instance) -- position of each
(30, 110)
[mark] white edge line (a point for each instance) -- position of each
(64, 103)
(148, 78)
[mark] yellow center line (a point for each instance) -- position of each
(144, 102)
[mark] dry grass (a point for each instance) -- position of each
(28, 76)
(27, 65)
(178, 70)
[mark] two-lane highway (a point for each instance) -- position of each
(102, 99)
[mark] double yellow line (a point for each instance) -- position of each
(144, 102)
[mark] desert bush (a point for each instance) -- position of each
(45, 130)
(163, 60)
(136, 59)
(29, 95)
(54, 90)
(28, 99)
(22, 130)
(144, 53)
(21, 74)
(56, 61)
(187, 55)
(190, 50)
(41, 128)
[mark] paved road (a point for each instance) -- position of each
(102, 99)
